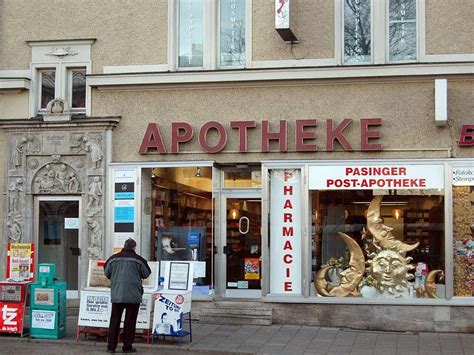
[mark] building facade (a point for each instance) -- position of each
(313, 158)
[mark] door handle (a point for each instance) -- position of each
(226, 250)
(75, 251)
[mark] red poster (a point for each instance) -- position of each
(11, 319)
(20, 261)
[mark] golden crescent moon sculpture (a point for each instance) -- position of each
(430, 283)
(383, 234)
(350, 277)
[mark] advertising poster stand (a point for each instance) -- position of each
(14, 292)
(173, 302)
(95, 303)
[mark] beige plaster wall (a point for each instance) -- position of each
(406, 108)
(128, 32)
(14, 105)
(3, 204)
(449, 26)
(314, 29)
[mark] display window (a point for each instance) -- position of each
(463, 231)
(181, 222)
(378, 231)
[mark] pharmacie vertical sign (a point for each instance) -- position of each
(285, 231)
(124, 207)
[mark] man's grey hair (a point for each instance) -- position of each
(130, 244)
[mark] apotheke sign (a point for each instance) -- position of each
(304, 137)
(369, 177)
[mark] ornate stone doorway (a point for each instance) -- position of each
(57, 161)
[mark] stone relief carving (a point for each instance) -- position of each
(56, 178)
(14, 230)
(95, 238)
(95, 151)
(33, 164)
(14, 189)
(18, 151)
(94, 195)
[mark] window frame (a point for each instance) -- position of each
(69, 92)
(387, 34)
(380, 41)
(211, 37)
(372, 33)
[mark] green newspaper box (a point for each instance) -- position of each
(48, 305)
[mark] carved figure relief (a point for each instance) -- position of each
(57, 105)
(14, 189)
(56, 178)
(95, 238)
(19, 148)
(14, 231)
(95, 193)
(95, 151)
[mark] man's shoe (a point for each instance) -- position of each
(131, 350)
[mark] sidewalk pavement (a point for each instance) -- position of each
(251, 339)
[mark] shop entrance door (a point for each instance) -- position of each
(243, 245)
(58, 231)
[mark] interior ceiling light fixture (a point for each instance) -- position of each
(198, 172)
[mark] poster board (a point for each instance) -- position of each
(178, 275)
(170, 306)
(96, 278)
(20, 261)
(95, 309)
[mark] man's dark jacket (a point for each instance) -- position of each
(126, 271)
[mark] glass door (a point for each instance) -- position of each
(58, 239)
(243, 247)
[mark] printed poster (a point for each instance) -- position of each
(251, 268)
(20, 261)
(169, 310)
(43, 319)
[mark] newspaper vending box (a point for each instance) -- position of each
(48, 305)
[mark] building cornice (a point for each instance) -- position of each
(107, 122)
(120, 81)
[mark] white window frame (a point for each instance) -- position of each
(211, 37)
(69, 82)
(387, 37)
(341, 32)
(380, 43)
(43, 59)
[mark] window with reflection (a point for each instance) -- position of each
(232, 32)
(191, 33)
(402, 30)
(357, 31)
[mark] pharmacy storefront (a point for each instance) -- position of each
(313, 240)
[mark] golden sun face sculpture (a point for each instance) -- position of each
(350, 277)
(390, 271)
(382, 234)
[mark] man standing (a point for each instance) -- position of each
(126, 271)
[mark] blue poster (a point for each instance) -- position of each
(124, 214)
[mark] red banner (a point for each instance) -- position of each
(11, 317)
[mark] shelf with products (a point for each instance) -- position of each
(420, 225)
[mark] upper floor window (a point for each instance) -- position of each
(357, 31)
(211, 33)
(58, 70)
(402, 30)
(232, 33)
(379, 31)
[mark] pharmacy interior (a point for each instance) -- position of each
(381, 229)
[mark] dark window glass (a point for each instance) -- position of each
(47, 87)
(78, 89)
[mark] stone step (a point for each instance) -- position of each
(231, 313)
(234, 320)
